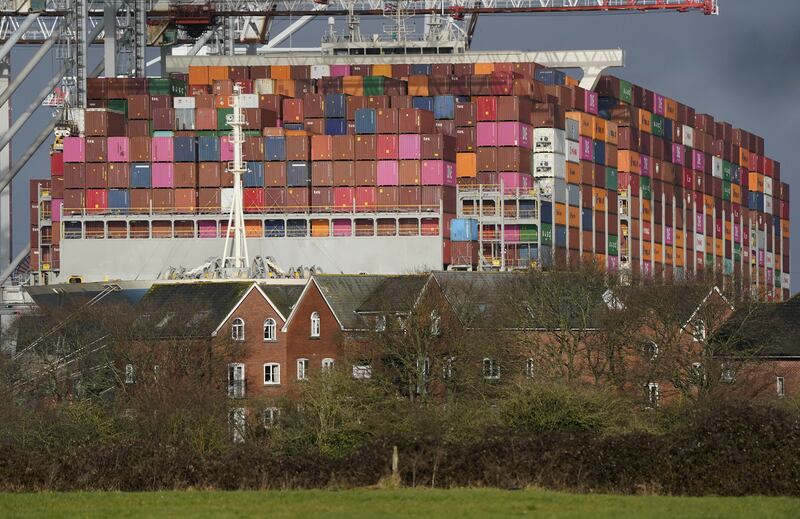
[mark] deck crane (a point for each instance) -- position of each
(126, 28)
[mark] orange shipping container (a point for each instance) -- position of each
(585, 123)
(198, 76)
(628, 162)
(644, 121)
(466, 165)
(679, 238)
(658, 253)
(573, 173)
(483, 68)
(744, 157)
(600, 197)
(647, 210)
(285, 87)
(670, 109)
(217, 73)
(382, 70)
(561, 214)
(611, 133)
(728, 230)
(679, 258)
(418, 85)
(253, 228)
(280, 71)
(353, 85)
(320, 228)
(647, 250)
(718, 249)
(599, 129)
(736, 193)
(708, 202)
(574, 215)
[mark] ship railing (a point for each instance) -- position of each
(254, 210)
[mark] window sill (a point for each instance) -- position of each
(272, 384)
(314, 338)
(270, 340)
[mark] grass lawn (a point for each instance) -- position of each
(355, 504)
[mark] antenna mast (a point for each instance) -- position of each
(235, 260)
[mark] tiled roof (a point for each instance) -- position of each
(284, 297)
(346, 293)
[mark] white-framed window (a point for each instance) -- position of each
(237, 329)
(156, 371)
(302, 369)
(447, 369)
(236, 424)
(650, 350)
(272, 374)
(529, 367)
(424, 369)
(236, 380)
(699, 329)
(270, 416)
(436, 323)
(651, 394)
(315, 326)
(780, 386)
(129, 374)
(380, 323)
(727, 373)
(491, 369)
(362, 371)
(270, 330)
(327, 364)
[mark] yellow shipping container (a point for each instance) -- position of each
(600, 196)
(644, 121)
(253, 228)
(320, 228)
(466, 165)
(198, 75)
(483, 68)
(382, 70)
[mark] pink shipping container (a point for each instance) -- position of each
(225, 149)
(96, 200)
(163, 174)
(586, 149)
(698, 161)
(658, 102)
(761, 257)
(668, 235)
(613, 263)
(677, 153)
(340, 70)
(590, 101)
(514, 134)
(207, 228)
(699, 223)
(513, 181)
(486, 134)
(162, 149)
(438, 173)
(736, 231)
(74, 149)
(645, 166)
(342, 227)
(366, 199)
(388, 173)
(343, 198)
(55, 207)
(119, 149)
(410, 146)
(511, 233)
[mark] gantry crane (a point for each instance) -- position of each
(126, 28)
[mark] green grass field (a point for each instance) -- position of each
(355, 504)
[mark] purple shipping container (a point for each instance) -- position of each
(55, 208)
(207, 228)
(388, 173)
(760, 257)
(590, 101)
(644, 166)
(699, 223)
(677, 153)
(486, 134)
(162, 149)
(511, 233)
(162, 174)
(668, 235)
(659, 104)
(74, 149)
(410, 147)
(119, 149)
(225, 149)
(514, 134)
(698, 161)
(586, 149)
(342, 227)
(340, 70)
(513, 180)
(737, 237)
(438, 173)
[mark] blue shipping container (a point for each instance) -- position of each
(118, 200)
(255, 175)
(421, 70)
(560, 236)
(573, 194)
(667, 129)
(547, 212)
(422, 103)
(444, 107)
(293, 126)
(335, 127)
(550, 76)
(208, 148)
(184, 149)
(365, 121)
(335, 106)
(463, 229)
(599, 152)
(587, 219)
(274, 229)
(528, 254)
(298, 174)
(275, 149)
(140, 176)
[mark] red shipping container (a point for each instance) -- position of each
(253, 199)
(486, 108)
(57, 187)
(292, 110)
(414, 120)
(275, 198)
(96, 201)
(57, 164)
(321, 147)
(366, 172)
(321, 173)
(322, 199)
(387, 120)
(366, 199)
(343, 198)
(205, 119)
(388, 147)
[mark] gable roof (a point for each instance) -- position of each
(395, 294)
(344, 294)
(765, 329)
(282, 297)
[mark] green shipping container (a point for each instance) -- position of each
(611, 178)
(222, 122)
(529, 233)
(178, 87)
(709, 260)
(547, 234)
(625, 92)
(726, 170)
(726, 190)
(657, 125)
(119, 105)
(728, 267)
(163, 133)
(206, 133)
(613, 245)
(373, 85)
(778, 279)
(647, 192)
(252, 133)
(737, 252)
(157, 86)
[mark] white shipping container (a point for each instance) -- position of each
(552, 188)
(699, 243)
(184, 119)
(769, 260)
(320, 71)
(573, 130)
(183, 102)
(248, 100)
(573, 154)
(785, 280)
(767, 204)
(549, 140)
(226, 198)
(767, 186)
(688, 136)
(549, 165)
(264, 86)
(716, 167)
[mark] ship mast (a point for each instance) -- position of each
(235, 260)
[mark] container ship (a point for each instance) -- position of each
(391, 164)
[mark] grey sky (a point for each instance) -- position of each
(740, 66)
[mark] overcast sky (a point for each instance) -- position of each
(741, 66)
